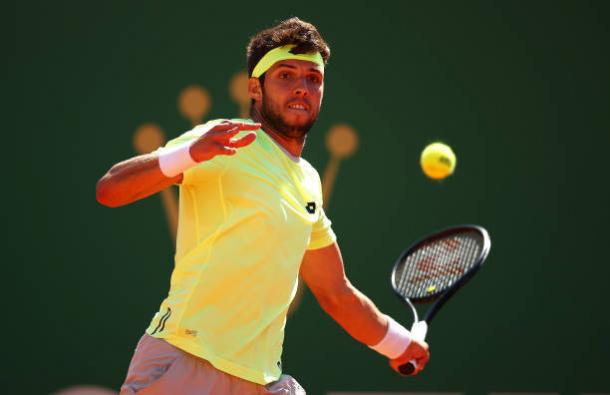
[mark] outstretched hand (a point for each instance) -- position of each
(418, 351)
(219, 140)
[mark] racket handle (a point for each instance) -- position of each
(408, 368)
(418, 332)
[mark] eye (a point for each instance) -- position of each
(284, 75)
(315, 79)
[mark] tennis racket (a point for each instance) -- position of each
(433, 269)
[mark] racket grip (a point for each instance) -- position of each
(419, 330)
(408, 368)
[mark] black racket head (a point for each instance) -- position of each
(439, 262)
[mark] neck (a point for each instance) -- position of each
(293, 145)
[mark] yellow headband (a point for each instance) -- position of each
(283, 53)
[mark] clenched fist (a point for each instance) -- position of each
(418, 352)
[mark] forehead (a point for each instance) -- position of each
(301, 65)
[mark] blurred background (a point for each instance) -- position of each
(519, 89)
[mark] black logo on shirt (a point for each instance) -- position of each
(311, 207)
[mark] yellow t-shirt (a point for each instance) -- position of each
(245, 223)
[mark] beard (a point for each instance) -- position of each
(273, 116)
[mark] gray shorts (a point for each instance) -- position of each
(158, 368)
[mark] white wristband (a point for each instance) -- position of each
(395, 341)
(175, 160)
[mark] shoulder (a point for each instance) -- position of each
(199, 130)
(308, 168)
(194, 133)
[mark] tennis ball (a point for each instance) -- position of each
(437, 161)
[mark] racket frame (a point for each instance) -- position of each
(441, 297)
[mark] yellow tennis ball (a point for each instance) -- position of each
(437, 161)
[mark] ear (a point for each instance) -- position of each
(254, 89)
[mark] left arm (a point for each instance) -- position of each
(323, 272)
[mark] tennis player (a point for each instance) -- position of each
(250, 221)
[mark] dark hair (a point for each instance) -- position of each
(291, 31)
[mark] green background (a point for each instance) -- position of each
(518, 88)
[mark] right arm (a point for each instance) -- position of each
(142, 176)
(133, 179)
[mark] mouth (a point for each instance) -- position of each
(298, 106)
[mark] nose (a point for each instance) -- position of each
(300, 88)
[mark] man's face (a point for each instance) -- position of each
(292, 95)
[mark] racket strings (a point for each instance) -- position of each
(437, 265)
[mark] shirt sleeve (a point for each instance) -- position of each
(322, 234)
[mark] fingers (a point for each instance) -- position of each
(421, 358)
(219, 140)
(420, 364)
(224, 150)
(225, 131)
(243, 141)
(230, 147)
(226, 126)
(225, 137)
(418, 352)
(249, 126)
